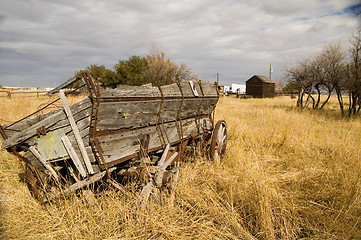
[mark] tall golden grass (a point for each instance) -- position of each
(286, 175)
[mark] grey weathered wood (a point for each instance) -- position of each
(120, 145)
(34, 161)
(71, 171)
(164, 155)
(162, 167)
(25, 123)
(88, 150)
(54, 121)
(74, 157)
(96, 168)
(42, 160)
(131, 91)
(87, 181)
(82, 119)
(186, 89)
(28, 122)
(90, 154)
(76, 132)
(84, 133)
(209, 89)
(127, 114)
(171, 90)
(146, 191)
(120, 115)
(194, 88)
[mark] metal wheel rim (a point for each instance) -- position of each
(219, 140)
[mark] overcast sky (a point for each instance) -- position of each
(43, 42)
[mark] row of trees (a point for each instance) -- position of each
(154, 68)
(333, 70)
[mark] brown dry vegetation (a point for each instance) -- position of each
(286, 175)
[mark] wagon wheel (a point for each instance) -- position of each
(219, 140)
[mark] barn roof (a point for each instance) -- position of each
(263, 79)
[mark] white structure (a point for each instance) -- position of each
(226, 89)
(240, 87)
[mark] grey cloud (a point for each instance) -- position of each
(2, 18)
(235, 38)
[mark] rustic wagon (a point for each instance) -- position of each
(126, 132)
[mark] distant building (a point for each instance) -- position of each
(260, 87)
(238, 88)
(224, 89)
(235, 88)
(227, 89)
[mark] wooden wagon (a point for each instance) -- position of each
(115, 134)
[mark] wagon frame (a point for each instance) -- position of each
(117, 133)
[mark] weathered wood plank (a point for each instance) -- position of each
(160, 173)
(171, 90)
(42, 160)
(76, 132)
(136, 114)
(148, 91)
(28, 122)
(31, 132)
(86, 182)
(164, 155)
(34, 161)
(119, 145)
(127, 114)
(88, 150)
(131, 91)
(194, 88)
(73, 156)
(209, 89)
(55, 121)
(84, 133)
(81, 118)
(186, 89)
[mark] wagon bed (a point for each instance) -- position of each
(111, 130)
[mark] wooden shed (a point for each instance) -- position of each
(260, 87)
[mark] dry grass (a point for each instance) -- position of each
(286, 175)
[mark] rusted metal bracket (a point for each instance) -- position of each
(41, 131)
(159, 118)
(30, 179)
(144, 145)
(93, 89)
(94, 142)
(2, 132)
(178, 121)
(214, 110)
(199, 107)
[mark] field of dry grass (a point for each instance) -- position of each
(286, 175)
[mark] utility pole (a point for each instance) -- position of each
(217, 79)
(270, 71)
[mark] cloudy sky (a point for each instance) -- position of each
(43, 42)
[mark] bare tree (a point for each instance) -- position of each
(330, 71)
(353, 83)
(333, 59)
(306, 76)
(161, 70)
